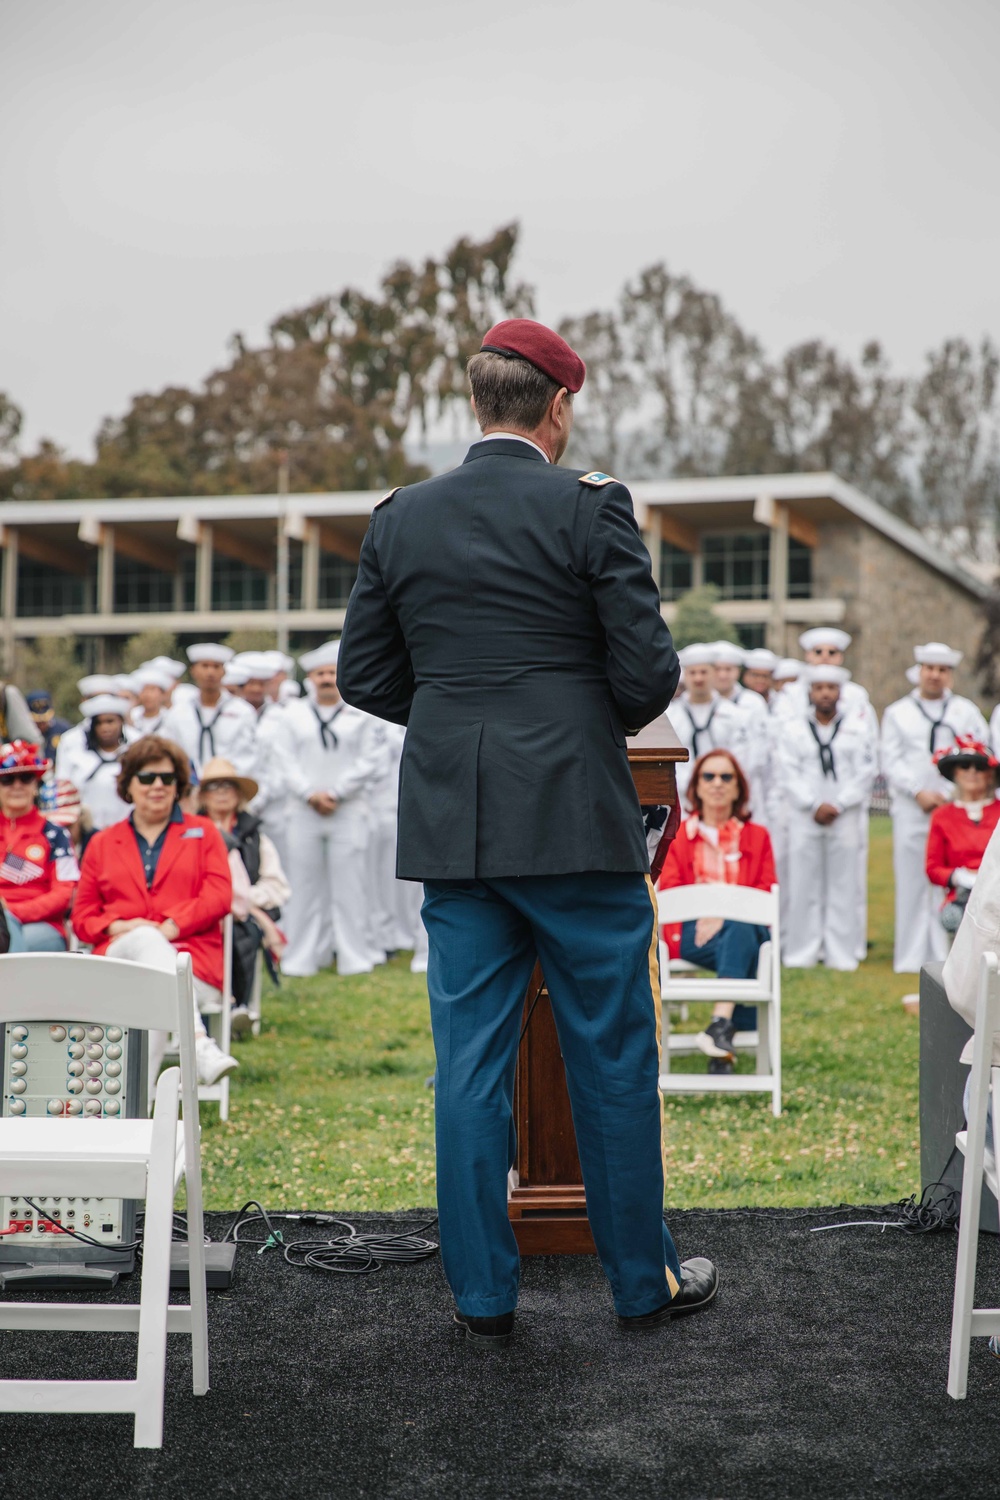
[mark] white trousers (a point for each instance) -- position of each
(920, 937)
(822, 891)
(147, 945)
(864, 829)
(390, 928)
(329, 909)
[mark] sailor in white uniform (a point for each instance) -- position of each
(334, 755)
(257, 671)
(98, 683)
(729, 662)
(828, 762)
(93, 765)
(928, 719)
(701, 718)
(210, 722)
(153, 688)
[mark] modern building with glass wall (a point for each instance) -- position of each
(785, 552)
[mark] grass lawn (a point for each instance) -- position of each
(330, 1108)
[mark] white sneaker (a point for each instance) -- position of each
(212, 1062)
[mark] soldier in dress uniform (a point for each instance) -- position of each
(701, 718)
(928, 719)
(333, 755)
(50, 728)
(506, 613)
(828, 760)
(210, 722)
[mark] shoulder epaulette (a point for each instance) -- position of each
(386, 498)
(596, 479)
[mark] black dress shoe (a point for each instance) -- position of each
(699, 1284)
(485, 1333)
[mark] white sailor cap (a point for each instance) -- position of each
(173, 669)
(279, 662)
(289, 689)
(788, 669)
(827, 672)
(760, 659)
(937, 654)
(98, 683)
(125, 682)
(104, 703)
(913, 674)
(235, 676)
(824, 635)
(698, 654)
(727, 654)
(255, 664)
(152, 677)
(209, 651)
(324, 656)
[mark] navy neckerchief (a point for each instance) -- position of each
(326, 727)
(103, 760)
(826, 746)
(206, 731)
(935, 724)
(705, 728)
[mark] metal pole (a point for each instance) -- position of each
(281, 590)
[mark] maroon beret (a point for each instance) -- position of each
(524, 338)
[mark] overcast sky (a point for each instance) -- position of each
(170, 173)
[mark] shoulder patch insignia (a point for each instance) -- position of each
(596, 479)
(386, 498)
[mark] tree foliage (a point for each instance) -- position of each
(51, 662)
(696, 618)
(676, 386)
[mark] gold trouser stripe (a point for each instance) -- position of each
(672, 1282)
(654, 985)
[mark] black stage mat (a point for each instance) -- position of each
(820, 1371)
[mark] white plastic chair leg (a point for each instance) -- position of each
(155, 1291)
(972, 1190)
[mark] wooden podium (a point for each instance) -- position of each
(547, 1207)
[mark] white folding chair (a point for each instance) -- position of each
(113, 1158)
(968, 1321)
(735, 903)
(218, 1093)
(255, 1005)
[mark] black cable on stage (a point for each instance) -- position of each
(346, 1254)
(928, 1216)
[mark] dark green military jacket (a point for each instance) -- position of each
(506, 614)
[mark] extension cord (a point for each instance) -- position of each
(219, 1261)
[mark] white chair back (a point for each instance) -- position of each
(734, 903)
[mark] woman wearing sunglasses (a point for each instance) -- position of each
(38, 869)
(718, 845)
(960, 830)
(158, 883)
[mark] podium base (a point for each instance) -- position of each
(550, 1221)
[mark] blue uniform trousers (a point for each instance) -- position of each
(595, 935)
(733, 954)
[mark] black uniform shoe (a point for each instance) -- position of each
(721, 1065)
(717, 1038)
(485, 1333)
(699, 1284)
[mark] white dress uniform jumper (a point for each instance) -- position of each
(340, 750)
(912, 729)
(825, 763)
(227, 729)
(700, 727)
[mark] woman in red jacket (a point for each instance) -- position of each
(38, 869)
(718, 845)
(159, 883)
(960, 830)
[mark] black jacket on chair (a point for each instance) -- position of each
(506, 613)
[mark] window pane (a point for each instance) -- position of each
(141, 589)
(800, 561)
(675, 571)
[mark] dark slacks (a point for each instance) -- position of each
(595, 935)
(732, 954)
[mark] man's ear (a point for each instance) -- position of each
(557, 410)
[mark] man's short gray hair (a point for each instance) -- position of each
(509, 393)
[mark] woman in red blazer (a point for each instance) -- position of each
(719, 845)
(158, 884)
(960, 830)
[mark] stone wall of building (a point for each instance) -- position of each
(893, 602)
